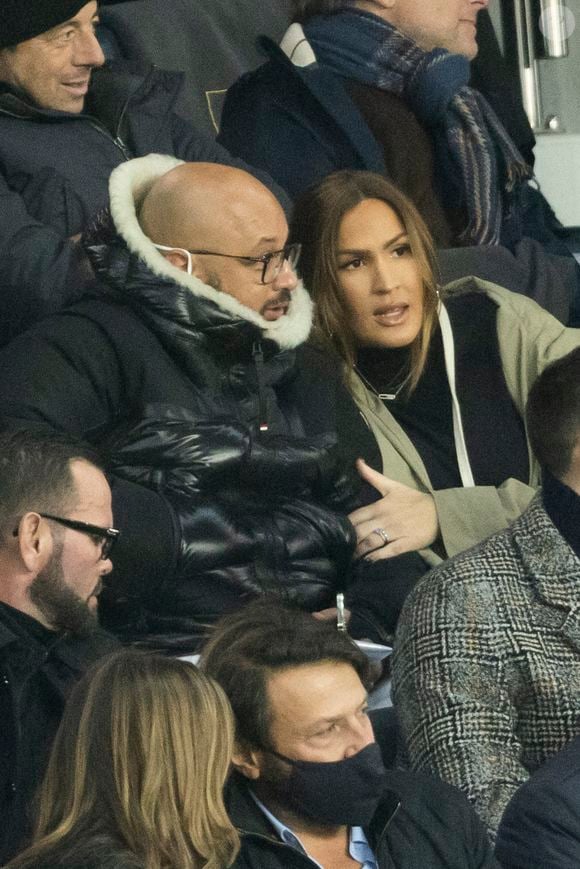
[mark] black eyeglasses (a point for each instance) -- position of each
(108, 536)
(271, 262)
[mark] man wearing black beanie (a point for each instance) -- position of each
(66, 121)
(24, 19)
(52, 50)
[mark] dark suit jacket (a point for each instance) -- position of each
(541, 825)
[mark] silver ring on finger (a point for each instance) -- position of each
(382, 534)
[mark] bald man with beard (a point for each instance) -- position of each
(185, 369)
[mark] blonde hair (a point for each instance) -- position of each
(141, 755)
(316, 223)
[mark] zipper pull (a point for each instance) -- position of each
(123, 147)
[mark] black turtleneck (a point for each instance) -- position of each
(563, 507)
(425, 415)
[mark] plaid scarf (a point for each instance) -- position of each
(477, 162)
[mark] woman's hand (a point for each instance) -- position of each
(407, 518)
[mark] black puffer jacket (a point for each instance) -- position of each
(176, 380)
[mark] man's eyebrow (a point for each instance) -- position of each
(387, 244)
(331, 720)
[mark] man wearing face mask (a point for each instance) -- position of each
(309, 787)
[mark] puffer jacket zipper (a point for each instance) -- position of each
(258, 357)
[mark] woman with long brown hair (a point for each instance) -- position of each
(136, 772)
(440, 375)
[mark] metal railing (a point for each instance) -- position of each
(541, 32)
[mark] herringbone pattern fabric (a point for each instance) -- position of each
(487, 662)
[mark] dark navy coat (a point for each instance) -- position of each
(540, 828)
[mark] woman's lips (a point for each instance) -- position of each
(390, 315)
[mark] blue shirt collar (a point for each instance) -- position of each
(359, 848)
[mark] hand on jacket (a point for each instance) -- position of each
(407, 517)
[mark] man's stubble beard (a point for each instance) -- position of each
(62, 608)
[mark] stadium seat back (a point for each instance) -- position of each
(212, 41)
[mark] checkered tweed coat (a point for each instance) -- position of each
(486, 669)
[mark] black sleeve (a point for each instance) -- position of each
(324, 404)
(378, 592)
(41, 269)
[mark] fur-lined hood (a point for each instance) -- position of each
(125, 259)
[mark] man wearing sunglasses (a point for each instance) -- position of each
(55, 548)
(227, 480)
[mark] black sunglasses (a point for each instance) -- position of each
(109, 536)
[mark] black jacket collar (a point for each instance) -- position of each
(75, 652)
(16, 626)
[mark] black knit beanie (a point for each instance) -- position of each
(22, 19)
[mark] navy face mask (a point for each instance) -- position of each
(337, 793)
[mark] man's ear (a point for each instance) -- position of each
(179, 259)
(247, 761)
(176, 257)
(35, 543)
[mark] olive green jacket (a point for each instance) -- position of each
(529, 339)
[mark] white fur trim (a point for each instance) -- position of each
(128, 185)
